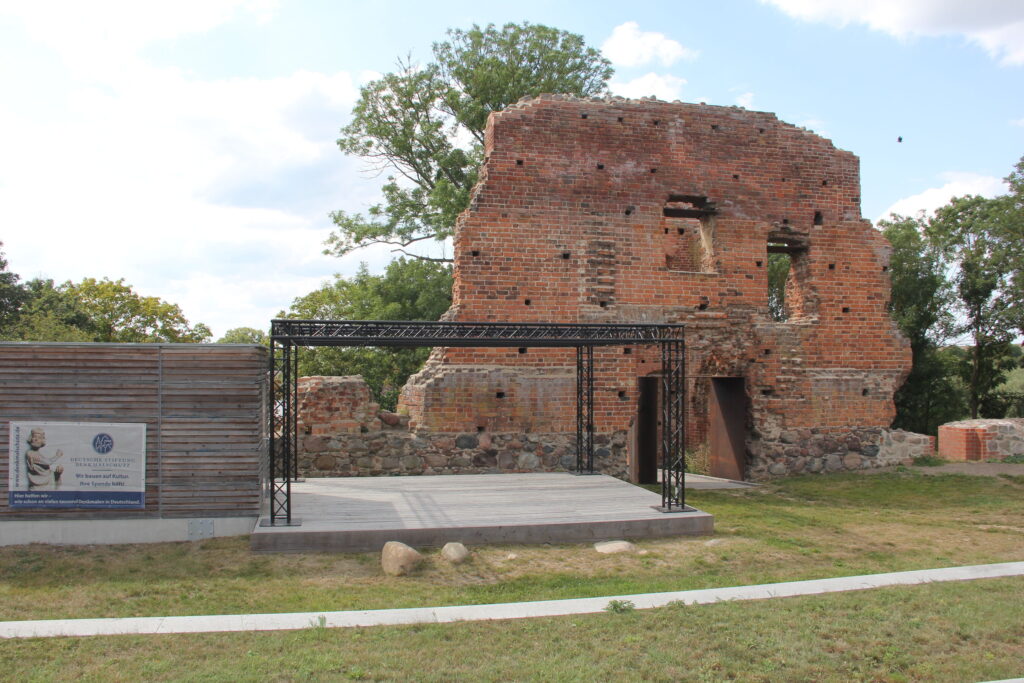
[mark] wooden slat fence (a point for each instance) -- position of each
(203, 404)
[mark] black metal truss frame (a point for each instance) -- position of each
(288, 336)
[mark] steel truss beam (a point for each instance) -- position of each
(288, 336)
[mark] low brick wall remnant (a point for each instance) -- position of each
(981, 439)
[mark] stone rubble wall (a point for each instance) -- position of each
(400, 451)
(971, 440)
(344, 433)
(813, 450)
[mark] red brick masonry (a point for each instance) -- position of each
(585, 212)
(981, 439)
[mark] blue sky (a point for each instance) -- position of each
(188, 147)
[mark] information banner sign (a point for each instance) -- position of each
(77, 465)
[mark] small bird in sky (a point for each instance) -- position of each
(899, 139)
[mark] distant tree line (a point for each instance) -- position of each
(88, 311)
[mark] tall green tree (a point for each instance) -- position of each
(424, 125)
(973, 233)
(409, 289)
(920, 306)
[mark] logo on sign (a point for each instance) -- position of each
(103, 443)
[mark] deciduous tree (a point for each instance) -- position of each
(408, 290)
(424, 125)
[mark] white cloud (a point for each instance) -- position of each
(956, 185)
(212, 194)
(745, 100)
(996, 25)
(629, 46)
(664, 87)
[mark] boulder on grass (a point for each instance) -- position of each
(455, 552)
(610, 547)
(398, 559)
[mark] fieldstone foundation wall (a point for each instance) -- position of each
(981, 439)
(401, 451)
(811, 450)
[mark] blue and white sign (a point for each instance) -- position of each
(77, 465)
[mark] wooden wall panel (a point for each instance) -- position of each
(203, 406)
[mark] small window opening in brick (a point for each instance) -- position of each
(629, 211)
(526, 302)
(600, 167)
(784, 179)
(622, 395)
(654, 170)
(760, 131)
(714, 126)
(583, 116)
(818, 218)
(602, 304)
(519, 162)
(831, 266)
(759, 263)
(499, 394)
(767, 392)
(702, 306)
(846, 309)
(735, 176)
(785, 221)
(480, 428)
(680, 231)
(522, 349)
(864, 391)
(787, 277)
(642, 360)
(308, 429)
(566, 255)
(627, 351)
(475, 252)
(767, 352)
(824, 183)
(621, 119)
(656, 121)
(666, 231)
(885, 268)
(687, 206)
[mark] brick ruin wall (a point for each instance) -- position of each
(981, 440)
(615, 211)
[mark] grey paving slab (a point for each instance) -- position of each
(363, 513)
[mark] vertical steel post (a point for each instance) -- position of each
(273, 396)
(673, 429)
(294, 459)
(584, 409)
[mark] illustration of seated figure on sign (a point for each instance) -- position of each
(40, 466)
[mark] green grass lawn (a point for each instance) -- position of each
(806, 527)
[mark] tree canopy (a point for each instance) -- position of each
(408, 290)
(957, 276)
(424, 124)
(95, 311)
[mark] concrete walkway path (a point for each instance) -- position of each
(513, 610)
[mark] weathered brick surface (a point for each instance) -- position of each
(981, 439)
(568, 224)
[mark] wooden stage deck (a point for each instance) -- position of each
(355, 514)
